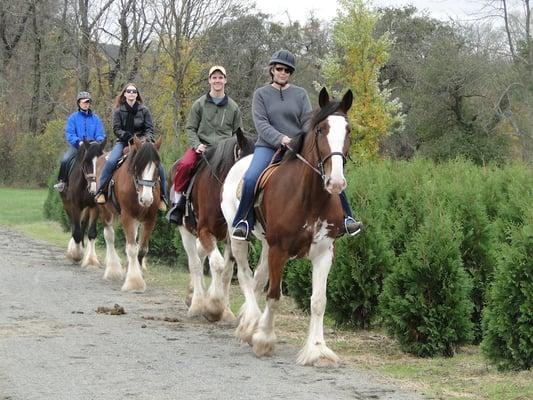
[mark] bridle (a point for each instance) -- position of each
(139, 182)
(319, 169)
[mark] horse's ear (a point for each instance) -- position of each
(103, 143)
(323, 97)
(158, 142)
(136, 141)
(346, 101)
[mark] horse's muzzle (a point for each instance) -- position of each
(335, 185)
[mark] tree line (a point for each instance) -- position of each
(423, 87)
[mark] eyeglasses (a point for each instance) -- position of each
(131, 90)
(280, 69)
(85, 101)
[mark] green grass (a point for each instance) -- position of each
(467, 375)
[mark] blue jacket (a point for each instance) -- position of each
(84, 126)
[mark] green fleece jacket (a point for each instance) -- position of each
(209, 123)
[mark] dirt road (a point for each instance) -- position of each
(54, 345)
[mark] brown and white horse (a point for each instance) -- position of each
(300, 217)
(135, 200)
(205, 227)
(78, 202)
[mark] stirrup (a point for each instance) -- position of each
(241, 231)
(60, 186)
(352, 227)
(175, 214)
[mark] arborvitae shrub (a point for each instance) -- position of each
(508, 316)
(425, 302)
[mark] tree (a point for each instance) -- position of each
(355, 63)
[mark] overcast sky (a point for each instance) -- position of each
(326, 9)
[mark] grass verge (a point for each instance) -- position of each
(465, 376)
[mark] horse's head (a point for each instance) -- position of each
(144, 166)
(88, 153)
(332, 139)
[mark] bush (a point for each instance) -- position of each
(508, 317)
(425, 301)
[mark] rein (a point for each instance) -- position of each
(212, 169)
(320, 167)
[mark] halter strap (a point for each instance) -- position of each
(304, 161)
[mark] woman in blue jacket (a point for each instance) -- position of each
(81, 125)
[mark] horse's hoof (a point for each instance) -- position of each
(134, 286)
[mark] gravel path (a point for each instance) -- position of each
(54, 345)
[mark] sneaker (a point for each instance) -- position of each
(100, 198)
(241, 231)
(60, 186)
(352, 227)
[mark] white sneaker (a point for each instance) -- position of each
(60, 186)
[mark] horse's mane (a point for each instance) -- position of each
(317, 116)
(221, 157)
(139, 159)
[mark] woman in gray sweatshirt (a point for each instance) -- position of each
(280, 111)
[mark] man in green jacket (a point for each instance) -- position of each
(213, 117)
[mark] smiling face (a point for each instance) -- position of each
(130, 93)
(217, 82)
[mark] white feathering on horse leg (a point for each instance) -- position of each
(315, 351)
(215, 301)
(250, 313)
(264, 338)
(196, 272)
(74, 250)
(134, 278)
(91, 259)
(113, 267)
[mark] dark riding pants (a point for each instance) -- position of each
(65, 162)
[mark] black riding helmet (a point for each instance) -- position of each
(284, 57)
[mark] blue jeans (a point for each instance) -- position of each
(65, 162)
(345, 205)
(111, 164)
(260, 160)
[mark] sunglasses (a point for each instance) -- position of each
(131, 90)
(280, 69)
(85, 101)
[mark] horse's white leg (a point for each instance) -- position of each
(249, 313)
(134, 278)
(228, 315)
(264, 337)
(215, 301)
(315, 351)
(74, 250)
(196, 271)
(91, 259)
(113, 267)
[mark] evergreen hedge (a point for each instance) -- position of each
(508, 317)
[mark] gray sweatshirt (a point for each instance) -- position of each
(274, 117)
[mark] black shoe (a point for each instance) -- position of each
(241, 231)
(352, 227)
(175, 214)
